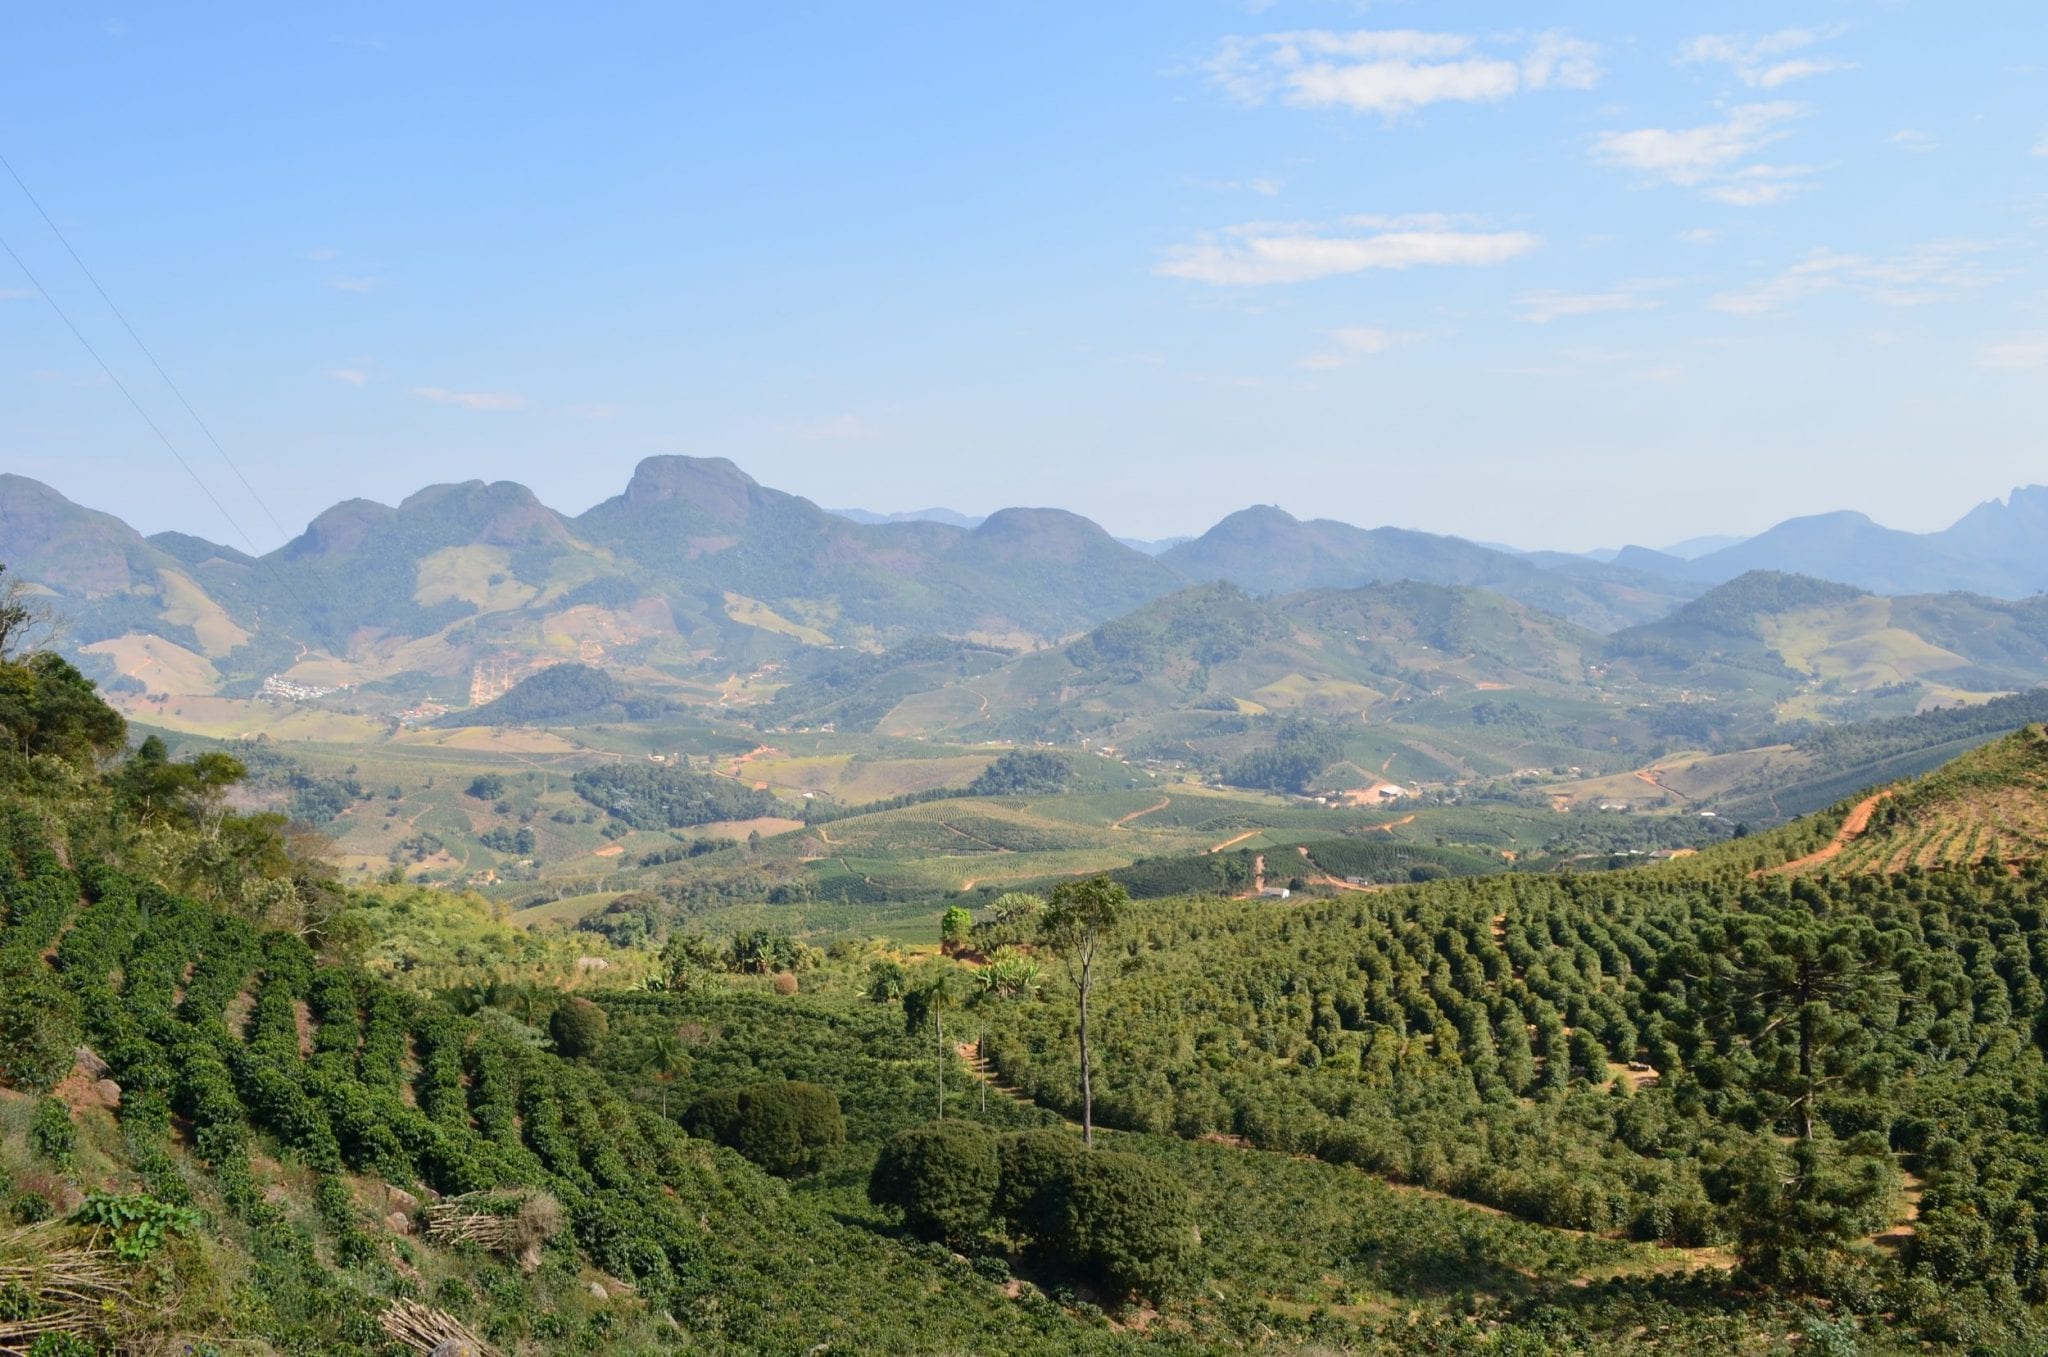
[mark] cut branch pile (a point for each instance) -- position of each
(510, 1223)
(431, 1331)
(51, 1287)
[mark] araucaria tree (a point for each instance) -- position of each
(1077, 925)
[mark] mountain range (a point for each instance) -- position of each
(695, 566)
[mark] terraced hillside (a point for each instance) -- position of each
(1989, 806)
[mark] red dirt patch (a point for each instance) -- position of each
(1852, 829)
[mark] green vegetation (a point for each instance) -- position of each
(560, 693)
(657, 796)
(787, 1127)
(1521, 1106)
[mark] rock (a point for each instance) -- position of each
(109, 1091)
(398, 1222)
(89, 1061)
(401, 1200)
(597, 1291)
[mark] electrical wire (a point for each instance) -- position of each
(122, 387)
(119, 315)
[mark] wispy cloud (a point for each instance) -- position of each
(323, 254)
(1912, 139)
(1710, 157)
(595, 410)
(1265, 188)
(1349, 343)
(1543, 305)
(114, 28)
(1767, 62)
(352, 284)
(1261, 253)
(2017, 355)
(348, 376)
(1700, 235)
(1394, 71)
(2041, 146)
(14, 294)
(471, 400)
(1927, 273)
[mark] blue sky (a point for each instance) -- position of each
(1558, 276)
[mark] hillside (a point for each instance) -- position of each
(242, 1103)
(1813, 648)
(1989, 806)
(1266, 550)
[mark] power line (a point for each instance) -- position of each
(122, 387)
(15, 175)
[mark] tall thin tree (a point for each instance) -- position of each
(1077, 925)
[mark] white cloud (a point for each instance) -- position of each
(114, 28)
(471, 400)
(1260, 253)
(349, 376)
(1394, 71)
(1709, 157)
(1543, 305)
(2017, 355)
(1926, 273)
(352, 284)
(1764, 63)
(1912, 139)
(1265, 188)
(2041, 146)
(14, 294)
(323, 254)
(1700, 235)
(1349, 343)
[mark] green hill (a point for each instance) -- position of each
(1267, 550)
(241, 1106)
(1990, 806)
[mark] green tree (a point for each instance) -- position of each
(955, 927)
(1128, 1222)
(929, 1002)
(1012, 919)
(579, 1028)
(1036, 1166)
(667, 1059)
(1082, 917)
(787, 1127)
(887, 981)
(687, 957)
(942, 1178)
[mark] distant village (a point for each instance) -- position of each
(278, 688)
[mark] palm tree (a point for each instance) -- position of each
(667, 1058)
(931, 1000)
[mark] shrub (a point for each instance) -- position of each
(50, 1133)
(38, 1028)
(579, 1028)
(1035, 1166)
(1127, 1222)
(785, 983)
(788, 1128)
(942, 1177)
